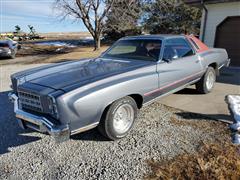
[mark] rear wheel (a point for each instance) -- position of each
(206, 83)
(119, 118)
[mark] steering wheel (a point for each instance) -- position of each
(151, 54)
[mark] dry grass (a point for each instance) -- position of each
(65, 35)
(79, 53)
(178, 121)
(32, 49)
(54, 56)
(212, 161)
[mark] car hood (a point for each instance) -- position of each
(66, 76)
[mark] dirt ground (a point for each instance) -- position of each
(55, 47)
(36, 54)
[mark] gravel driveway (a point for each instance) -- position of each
(160, 133)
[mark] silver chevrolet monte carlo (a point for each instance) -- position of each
(71, 97)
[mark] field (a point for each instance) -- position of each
(60, 54)
(64, 35)
(55, 47)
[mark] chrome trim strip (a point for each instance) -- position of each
(171, 92)
(226, 64)
(221, 66)
(34, 119)
(85, 128)
(173, 83)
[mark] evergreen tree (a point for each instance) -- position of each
(171, 16)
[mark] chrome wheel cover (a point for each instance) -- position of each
(123, 118)
(210, 80)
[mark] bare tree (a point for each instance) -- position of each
(91, 12)
(32, 30)
(17, 29)
(123, 19)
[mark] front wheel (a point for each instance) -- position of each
(206, 83)
(119, 118)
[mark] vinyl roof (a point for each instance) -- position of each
(157, 36)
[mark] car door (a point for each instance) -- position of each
(179, 65)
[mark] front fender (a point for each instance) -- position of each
(85, 105)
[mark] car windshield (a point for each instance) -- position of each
(143, 49)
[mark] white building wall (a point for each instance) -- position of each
(202, 24)
(216, 14)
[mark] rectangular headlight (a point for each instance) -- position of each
(52, 106)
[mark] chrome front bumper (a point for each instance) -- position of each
(39, 123)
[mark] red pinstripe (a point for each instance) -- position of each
(171, 84)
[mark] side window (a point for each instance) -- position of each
(176, 48)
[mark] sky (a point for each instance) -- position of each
(38, 13)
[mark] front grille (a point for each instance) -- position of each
(30, 101)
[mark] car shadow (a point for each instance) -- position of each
(210, 117)
(10, 132)
(188, 91)
(90, 135)
(4, 58)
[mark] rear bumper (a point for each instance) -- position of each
(39, 123)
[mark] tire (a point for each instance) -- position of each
(118, 118)
(206, 84)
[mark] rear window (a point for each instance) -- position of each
(194, 44)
